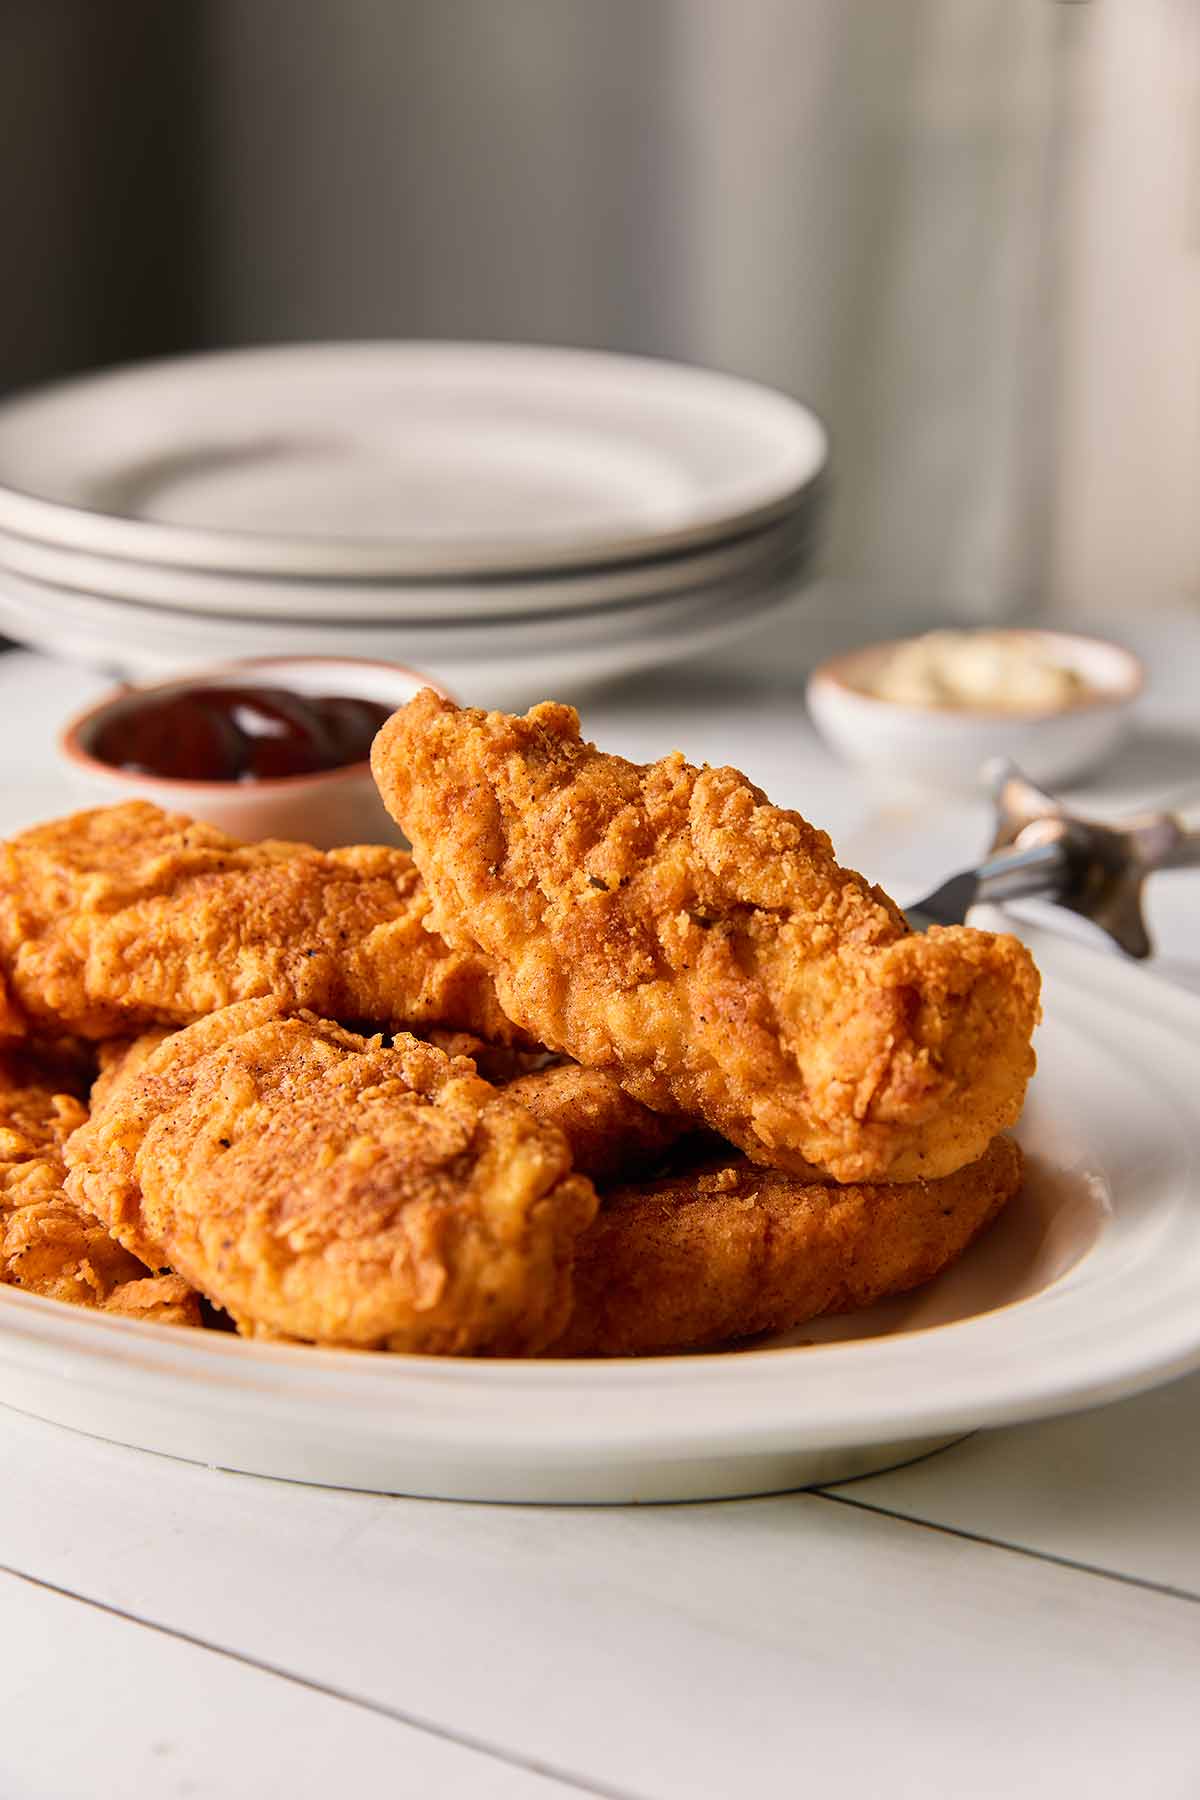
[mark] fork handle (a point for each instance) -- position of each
(1168, 840)
(1185, 854)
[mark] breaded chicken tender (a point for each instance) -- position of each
(497, 1063)
(128, 916)
(695, 1261)
(156, 1300)
(320, 1186)
(610, 1133)
(48, 1244)
(667, 925)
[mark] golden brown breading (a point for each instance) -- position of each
(700, 1260)
(156, 1300)
(117, 1058)
(497, 1063)
(48, 1244)
(128, 916)
(665, 923)
(610, 1133)
(320, 1186)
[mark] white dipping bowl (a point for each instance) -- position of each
(333, 807)
(948, 747)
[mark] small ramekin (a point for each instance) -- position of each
(948, 747)
(336, 806)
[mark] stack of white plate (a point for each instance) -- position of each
(512, 520)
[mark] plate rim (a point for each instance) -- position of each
(72, 525)
(582, 627)
(792, 539)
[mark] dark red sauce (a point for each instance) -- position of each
(234, 733)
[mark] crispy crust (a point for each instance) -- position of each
(156, 1300)
(610, 1133)
(497, 1063)
(319, 1186)
(696, 1261)
(128, 916)
(49, 1245)
(668, 925)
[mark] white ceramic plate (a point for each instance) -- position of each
(1088, 1289)
(401, 459)
(389, 602)
(488, 662)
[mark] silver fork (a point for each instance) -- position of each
(1041, 849)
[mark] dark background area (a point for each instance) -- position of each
(964, 230)
(102, 194)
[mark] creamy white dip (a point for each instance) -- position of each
(991, 670)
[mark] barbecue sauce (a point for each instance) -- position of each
(235, 733)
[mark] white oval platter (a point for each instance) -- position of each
(1087, 1289)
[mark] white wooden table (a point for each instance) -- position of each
(1019, 1615)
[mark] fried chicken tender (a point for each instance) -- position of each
(117, 1058)
(692, 1262)
(156, 1300)
(497, 1063)
(666, 924)
(320, 1186)
(48, 1244)
(129, 916)
(610, 1133)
